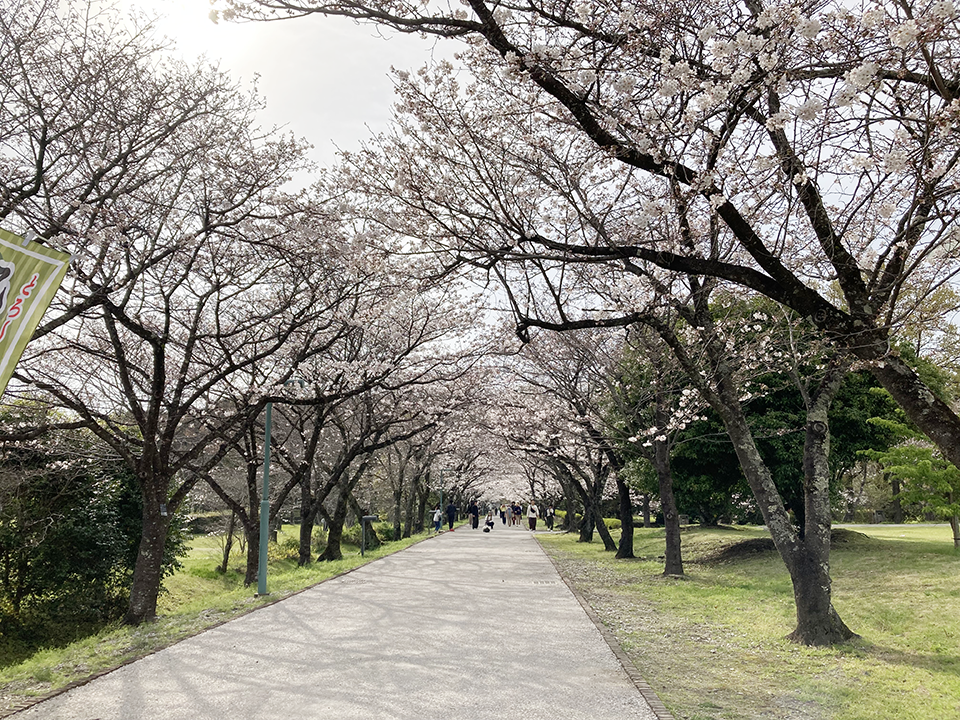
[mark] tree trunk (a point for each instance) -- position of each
(569, 519)
(423, 495)
(808, 558)
(587, 524)
(955, 526)
(673, 557)
(817, 621)
(408, 521)
(148, 570)
(397, 509)
(308, 515)
(897, 505)
(625, 548)
(333, 551)
(645, 509)
(228, 542)
(251, 530)
(252, 571)
(933, 416)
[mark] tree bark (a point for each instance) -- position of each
(673, 557)
(398, 509)
(409, 519)
(672, 554)
(333, 551)
(148, 570)
(308, 515)
(228, 541)
(625, 547)
(645, 509)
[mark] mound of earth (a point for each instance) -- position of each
(753, 547)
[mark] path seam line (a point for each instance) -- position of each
(643, 687)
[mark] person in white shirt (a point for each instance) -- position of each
(532, 514)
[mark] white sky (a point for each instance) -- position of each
(326, 79)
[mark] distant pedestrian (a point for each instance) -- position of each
(488, 523)
(517, 513)
(451, 514)
(437, 518)
(474, 512)
(548, 517)
(533, 512)
(503, 513)
(509, 514)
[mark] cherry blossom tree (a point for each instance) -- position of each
(156, 178)
(814, 138)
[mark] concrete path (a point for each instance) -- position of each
(468, 625)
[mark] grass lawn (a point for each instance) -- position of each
(194, 599)
(713, 645)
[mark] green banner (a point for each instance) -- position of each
(29, 276)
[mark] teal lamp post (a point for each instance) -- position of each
(265, 499)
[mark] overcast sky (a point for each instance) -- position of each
(327, 79)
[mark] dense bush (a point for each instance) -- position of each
(70, 523)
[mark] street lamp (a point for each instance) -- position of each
(265, 498)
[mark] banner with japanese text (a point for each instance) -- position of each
(29, 276)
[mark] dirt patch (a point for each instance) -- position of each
(755, 547)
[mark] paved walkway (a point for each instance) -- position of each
(468, 625)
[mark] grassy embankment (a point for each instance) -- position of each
(712, 645)
(195, 598)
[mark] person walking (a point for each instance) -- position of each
(451, 514)
(548, 517)
(509, 514)
(503, 513)
(533, 512)
(474, 512)
(437, 518)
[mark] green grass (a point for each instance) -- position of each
(194, 599)
(713, 645)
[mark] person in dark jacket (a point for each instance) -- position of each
(451, 514)
(474, 512)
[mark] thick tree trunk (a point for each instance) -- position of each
(807, 559)
(625, 548)
(570, 517)
(587, 524)
(148, 570)
(897, 505)
(333, 551)
(251, 530)
(252, 570)
(421, 512)
(397, 509)
(608, 544)
(408, 520)
(817, 621)
(308, 515)
(673, 557)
